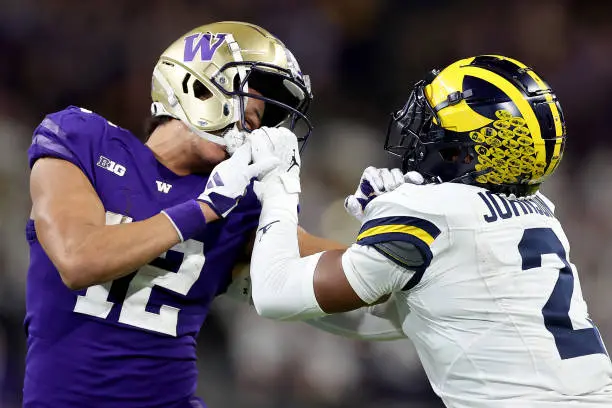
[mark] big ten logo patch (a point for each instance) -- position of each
(111, 166)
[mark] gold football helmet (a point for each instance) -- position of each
(203, 79)
(487, 120)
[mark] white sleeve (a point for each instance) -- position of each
(356, 258)
(380, 263)
(371, 274)
(373, 323)
(282, 281)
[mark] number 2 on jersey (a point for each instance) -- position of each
(570, 343)
(176, 270)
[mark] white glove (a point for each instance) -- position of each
(375, 182)
(229, 179)
(234, 138)
(282, 144)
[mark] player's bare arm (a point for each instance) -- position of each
(311, 244)
(71, 221)
(332, 289)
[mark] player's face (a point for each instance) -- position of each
(213, 153)
(254, 111)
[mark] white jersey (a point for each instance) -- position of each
(496, 312)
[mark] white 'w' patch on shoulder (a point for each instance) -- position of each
(163, 187)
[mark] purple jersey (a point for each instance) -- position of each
(130, 342)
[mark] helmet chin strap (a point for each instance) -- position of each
(157, 109)
(231, 140)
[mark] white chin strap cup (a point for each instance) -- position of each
(232, 140)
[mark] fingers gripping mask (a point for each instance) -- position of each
(234, 138)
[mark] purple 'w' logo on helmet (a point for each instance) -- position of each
(206, 43)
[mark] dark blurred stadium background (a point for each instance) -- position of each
(363, 56)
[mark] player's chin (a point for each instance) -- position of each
(214, 154)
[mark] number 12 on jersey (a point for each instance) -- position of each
(178, 274)
(570, 343)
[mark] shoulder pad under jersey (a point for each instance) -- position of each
(400, 227)
(72, 134)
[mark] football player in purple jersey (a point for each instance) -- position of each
(131, 242)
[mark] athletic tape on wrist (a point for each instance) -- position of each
(187, 218)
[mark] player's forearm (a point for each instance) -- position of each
(373, 323)
(87, 255)
(362, 327)
(282, 282)
(311, 244)
(240, 288)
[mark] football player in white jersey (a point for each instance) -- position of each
(471, 265)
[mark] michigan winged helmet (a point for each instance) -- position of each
(203, 79)
(487, 120)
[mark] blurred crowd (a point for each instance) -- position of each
(363, 57)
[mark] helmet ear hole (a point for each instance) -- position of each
(200, 91)
(457, 155)
(236, 83)
(450, 154)
(468, 158)
(185, 81)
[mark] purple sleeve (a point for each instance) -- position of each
(72, 135)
